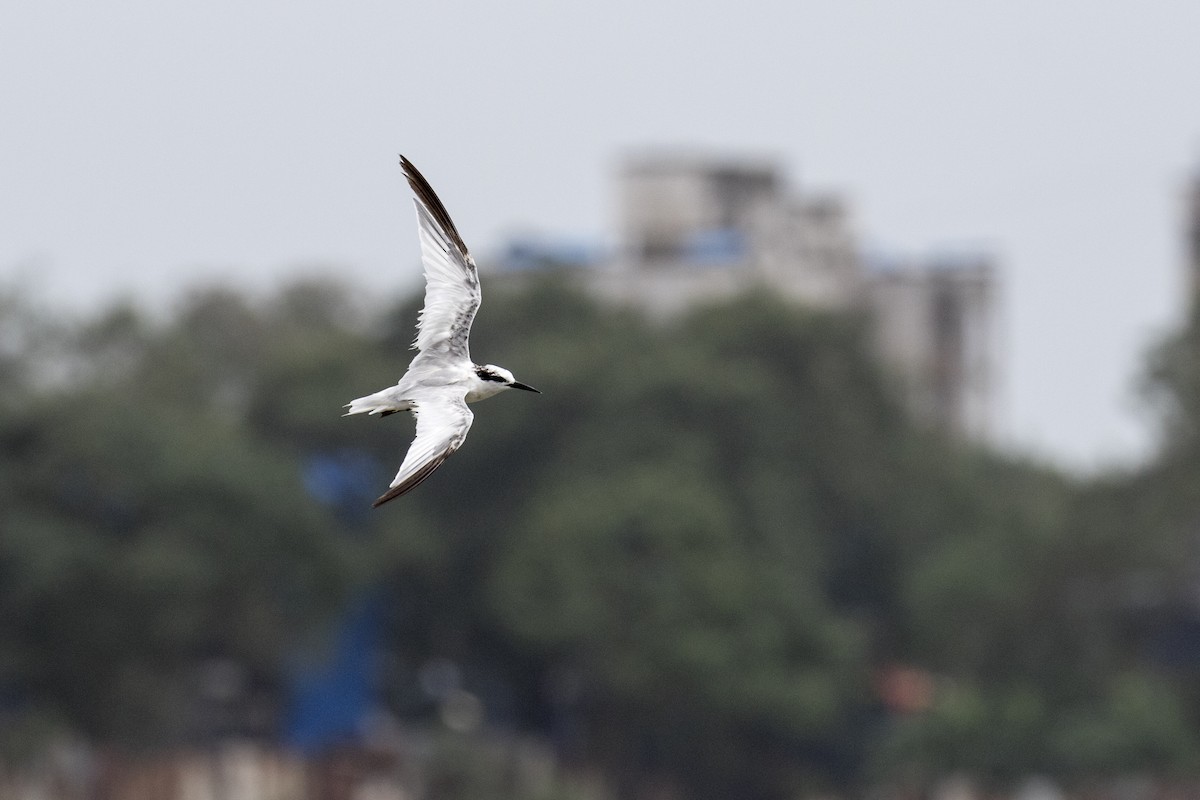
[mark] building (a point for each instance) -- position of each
(1192, 235)
(697, 228)
(693, 229)
(935, 322)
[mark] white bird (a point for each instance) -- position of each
(442, 378)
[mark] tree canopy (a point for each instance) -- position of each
(696, 557)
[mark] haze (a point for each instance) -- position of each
(148, 147)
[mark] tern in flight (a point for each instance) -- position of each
(442, 378)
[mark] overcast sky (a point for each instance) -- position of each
(147, 146)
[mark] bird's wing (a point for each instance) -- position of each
(451, 277)
(443, 420)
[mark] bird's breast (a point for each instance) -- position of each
(481, 390)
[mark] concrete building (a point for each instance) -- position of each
(695, 229)
(1192, 235)
(935, 322)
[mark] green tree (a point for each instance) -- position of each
(146, 529)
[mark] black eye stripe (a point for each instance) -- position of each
(488, 376)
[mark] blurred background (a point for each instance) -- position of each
(867, 457)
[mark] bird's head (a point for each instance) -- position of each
(502, 377)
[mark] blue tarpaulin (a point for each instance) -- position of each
(333, 693)
(332, 690)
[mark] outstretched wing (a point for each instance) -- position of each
(443, 420)
(451, 277)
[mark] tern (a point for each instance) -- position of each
(442, 378)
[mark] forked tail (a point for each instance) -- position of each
(378, 403)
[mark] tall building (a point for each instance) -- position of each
(695, 229)
(935, 322)
(1192, 228)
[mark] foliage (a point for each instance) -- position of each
(686, 562)
(147, 528)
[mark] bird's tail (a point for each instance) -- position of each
(378, 403)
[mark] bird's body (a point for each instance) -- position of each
(442, 378)
(428, 376)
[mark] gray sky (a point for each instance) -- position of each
(148, 146)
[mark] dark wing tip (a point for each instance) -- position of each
(429, 199)
(414, 480)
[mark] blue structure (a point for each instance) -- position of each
(333, 691)
(333, 694)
